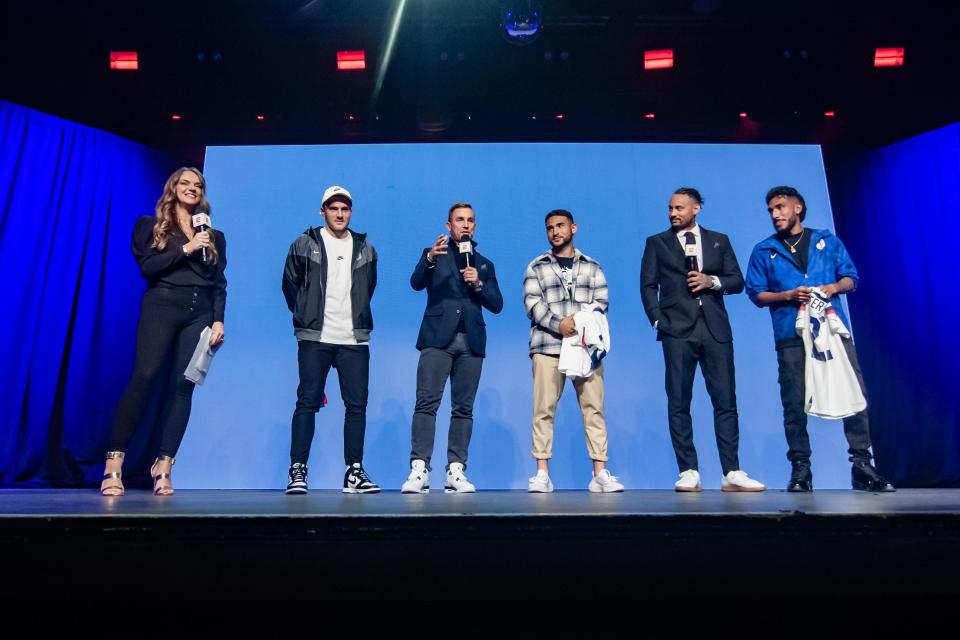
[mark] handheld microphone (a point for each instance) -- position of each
(201, 220)
(690, 253)
(466, 248)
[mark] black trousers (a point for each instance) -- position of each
(352, 363)
(463, 368)
(171, 321)
(791, 361)
(680, 357)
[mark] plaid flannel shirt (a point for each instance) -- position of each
(547, 300)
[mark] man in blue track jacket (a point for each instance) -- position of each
(782, 271)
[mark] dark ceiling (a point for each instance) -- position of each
(453, 77)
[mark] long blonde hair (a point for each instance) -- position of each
(166, 211)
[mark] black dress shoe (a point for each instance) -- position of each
(865, 478)
(799, 485)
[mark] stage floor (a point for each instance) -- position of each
(195, 503)
(780, 548)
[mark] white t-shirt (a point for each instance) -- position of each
(337, 310)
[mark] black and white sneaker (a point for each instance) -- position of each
(356, 480)
(297, 479)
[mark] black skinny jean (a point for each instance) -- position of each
(352, 363)
(171, 321)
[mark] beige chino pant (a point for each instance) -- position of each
(547, 388)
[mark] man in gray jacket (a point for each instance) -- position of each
(328, 281)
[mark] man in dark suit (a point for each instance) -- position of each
(452, 344)
(692, 269)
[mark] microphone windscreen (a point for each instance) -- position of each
(201, 219)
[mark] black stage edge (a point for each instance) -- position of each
(651, 545)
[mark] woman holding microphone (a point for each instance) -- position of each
(186, 292)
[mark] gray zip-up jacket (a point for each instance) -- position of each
(305, 280)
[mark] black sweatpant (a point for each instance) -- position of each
(352, 363)
(171, 321)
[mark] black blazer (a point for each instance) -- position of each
(448, 296)
(675, 309)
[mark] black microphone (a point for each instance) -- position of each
(466, 248)
(690, 259)
(201, 220)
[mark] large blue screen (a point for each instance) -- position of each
(263, 197)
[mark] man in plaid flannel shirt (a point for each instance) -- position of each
(555, 285)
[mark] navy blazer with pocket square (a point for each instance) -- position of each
(448, 296)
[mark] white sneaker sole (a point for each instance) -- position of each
(687, 489)
(409, 491)
(601, 490)
(452, 490)
(735, 489)
(351, 490)
(296, 491)
(547, 490)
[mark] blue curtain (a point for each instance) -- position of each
(894, 208)
(68, 197)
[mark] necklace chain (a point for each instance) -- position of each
(793, 247)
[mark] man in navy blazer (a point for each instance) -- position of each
(685, 273)
(452, 343)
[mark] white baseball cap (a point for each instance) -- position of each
(335, 191)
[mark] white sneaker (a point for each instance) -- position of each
(604, 482)
(689, 481)
(457, 480)
(540, 483)
(739, 481)
(419, 479)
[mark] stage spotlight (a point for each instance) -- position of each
(548, 56)
(520, 22)
(659, 59)
(829, 114)
(260, 118)
(351, 60)
(888, 57)
(351, 117)
(650, 116)
(564, 55)
(559, 116)
(176, 116)
(124, 61)
(217, 56)
(743, 114)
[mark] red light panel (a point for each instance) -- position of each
(650, 116)
(176, 116)
(888, 57)
(351, 60)
(659, 59)
(829, 114)
(124, 61)
(261, 118)
(743, 114)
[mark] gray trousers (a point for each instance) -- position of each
(458, 363)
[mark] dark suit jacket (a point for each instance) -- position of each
(675, 309)
(448, 296)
